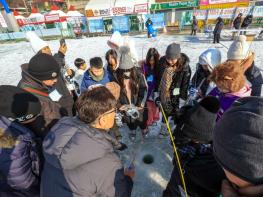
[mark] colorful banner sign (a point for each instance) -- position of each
(141, 8)
(122, 10)
(200, 14)
(174, 5)
(49, 18)
(214, 13)
(224, 5)
(227, 13)
(97, 13)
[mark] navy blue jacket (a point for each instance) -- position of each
(89, 81)
(19, 160)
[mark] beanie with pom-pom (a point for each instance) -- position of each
(239, 49)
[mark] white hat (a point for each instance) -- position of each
(115, 41)
(239, 49)
(36, 43)
(211, 57)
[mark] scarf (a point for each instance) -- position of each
(165, 84)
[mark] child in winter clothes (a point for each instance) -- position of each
(203, 175)
(19, 152)
(95, 75)
(240, 53)
(231, 85)
(238, 138)
(81, 66)
(208, 60)
(149, 69)
(133, 92)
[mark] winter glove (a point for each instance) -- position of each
(157, 101)
(122, 146)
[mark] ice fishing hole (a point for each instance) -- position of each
(148, 159)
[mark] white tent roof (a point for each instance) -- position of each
(74, 14)
(39, 17)
(99, 4)
(59, 12)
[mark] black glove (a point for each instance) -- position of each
(122, 146)
(157, 101)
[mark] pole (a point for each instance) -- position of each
(26, 6)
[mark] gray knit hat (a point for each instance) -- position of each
(173, 51)
(238, 139)
(126, 61)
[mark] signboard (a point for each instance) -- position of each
(96, 13)
(141, 8)
(122, 10)
(2, 21)
(214, 13)
(221, 4)
(120, 23)
(187, 18)
(96, 26)
(227, 13)
(157, 19)
(200, 14)
(258, 11)
(52, 18)
(174, 5)
(244, 11)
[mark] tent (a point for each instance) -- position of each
(35, 17)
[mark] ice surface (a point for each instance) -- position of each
(150, 179)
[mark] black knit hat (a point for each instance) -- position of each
(18, 104)
(43, 67)
(238, 139)
(173, 51)
(197, 122)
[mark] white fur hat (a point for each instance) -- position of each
(239, 49)
(36, 43)
(211, 57)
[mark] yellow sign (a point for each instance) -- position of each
(224, 5)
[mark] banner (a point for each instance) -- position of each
(157, 19)
(200, 14)
(122, 10)
(97, 13)
(141, 8)
(222, 4)
(174, 5)
(214, 13)
(96, 26)
(187, 18)
(258, 11)
(244, 11)
(227, 13)
(121, 24)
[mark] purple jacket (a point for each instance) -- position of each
(227, 99)
(151, 80)
(19, 161)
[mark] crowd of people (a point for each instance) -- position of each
(59, 127)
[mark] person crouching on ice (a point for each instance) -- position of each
(79, 153)
(193, 137)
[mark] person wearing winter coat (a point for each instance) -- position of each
(40, 46)
(95, 75)
(175, 80)
(237, 21)
(112, 62)
(149, 68)
(19, 151)
(246, 22)
(39, 78)
(149, 25)
(194, 26)
(79, 153)
(200, 82)
(218, 28)
(240, 53)
(133, 94)
(202, 174)
(81, 66)
(230, 85)
(242, 164)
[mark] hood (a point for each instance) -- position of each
(211, 57)
(72, 143)
(186, 61)
(29, 79)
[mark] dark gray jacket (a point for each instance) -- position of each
(81, 162)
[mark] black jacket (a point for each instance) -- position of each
(219, 26)
(237, 22)
(247, 21)
(201, 76)
(254, 76)
(66, 100)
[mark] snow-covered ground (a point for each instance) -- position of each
(150, 179)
